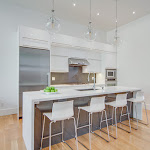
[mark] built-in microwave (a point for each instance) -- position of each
(110, 73)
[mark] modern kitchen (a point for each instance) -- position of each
(75, 80)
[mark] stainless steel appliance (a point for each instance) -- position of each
(111, 77)
(110, 73)
(110, 82)
(78, 62)
(34, 71)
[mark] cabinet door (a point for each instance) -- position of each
(109, 60)
(35, 38)
(77, 53)
(94, 66)
(59, 63)
(59, 51)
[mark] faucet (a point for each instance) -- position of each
(94, 79)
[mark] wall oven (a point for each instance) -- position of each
(110, 73)
(111, 77)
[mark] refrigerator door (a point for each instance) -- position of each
(34, 65)
(34, 71)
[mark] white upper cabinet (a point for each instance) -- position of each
(64, 40)
(109, 60)
(93, 55)
(59, 59)
(34, 38)
(77, 53)
(60, 51)
(59, 63)
(93, 67)
(75, 42)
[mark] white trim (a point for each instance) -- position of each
(8, 111)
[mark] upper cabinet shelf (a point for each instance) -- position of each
(69, 41)
(34, 38)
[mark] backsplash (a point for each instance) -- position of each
(74, 76)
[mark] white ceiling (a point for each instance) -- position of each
(80, 13)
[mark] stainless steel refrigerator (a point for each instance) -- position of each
(34, 71)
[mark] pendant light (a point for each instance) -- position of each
(90, 34)
(53, 24)
(117, 40)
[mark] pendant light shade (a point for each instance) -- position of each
(117, 41)
(53, 24)
(90, 34)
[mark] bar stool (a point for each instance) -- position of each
(61, 111)
(121, 101)
(97, 105)
(139, 98)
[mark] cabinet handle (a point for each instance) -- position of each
(48, 79)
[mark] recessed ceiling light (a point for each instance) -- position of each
(74, 2)
(98, 14)
(133, 12)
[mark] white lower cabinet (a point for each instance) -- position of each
(94, 66)
(59, 63)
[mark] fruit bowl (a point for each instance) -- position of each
(50, 93)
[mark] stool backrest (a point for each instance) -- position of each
(140, 95)
(97, 104)
(62, 110)
(121, 98)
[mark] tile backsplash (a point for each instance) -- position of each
(74, 76)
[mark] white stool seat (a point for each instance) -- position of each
(134, 100)
(121, 101)
(97, 105)
(60, 111)
(88, 109)
(117, 103)
(57, 118)
(48, 115)
(139, 98)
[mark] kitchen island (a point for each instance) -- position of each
(31, 99)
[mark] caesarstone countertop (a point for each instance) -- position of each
(73, 92)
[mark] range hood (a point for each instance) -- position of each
(78, 62)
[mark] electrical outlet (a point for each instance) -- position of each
(53, 78)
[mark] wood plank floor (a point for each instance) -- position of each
(11, 137)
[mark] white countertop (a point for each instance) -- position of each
(72, 92)
(32, 98)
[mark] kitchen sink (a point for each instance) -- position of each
(91, 89)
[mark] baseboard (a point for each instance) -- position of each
(8, 111)
(147, 106)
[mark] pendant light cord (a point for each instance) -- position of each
(90, 13)
(116, 27)
(116, 18)
(53, 6)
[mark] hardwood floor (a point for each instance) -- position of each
(11, 137)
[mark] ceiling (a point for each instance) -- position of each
(80, 13)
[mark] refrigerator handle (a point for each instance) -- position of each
(48, 79)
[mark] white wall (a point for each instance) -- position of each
(10, 18)
(133, 58)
